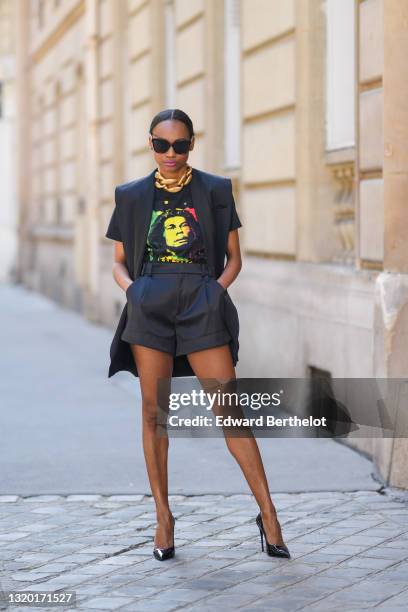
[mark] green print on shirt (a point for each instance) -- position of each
(174, 236)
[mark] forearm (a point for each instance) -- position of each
(121, 275)
(231, 271)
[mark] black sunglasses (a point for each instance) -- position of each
(161, 145)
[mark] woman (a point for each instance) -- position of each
(172, 230)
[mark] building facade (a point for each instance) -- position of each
(300, 102)
(8, 210)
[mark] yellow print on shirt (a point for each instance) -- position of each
(174, 236)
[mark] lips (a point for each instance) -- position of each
(169, 163)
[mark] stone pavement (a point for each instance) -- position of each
(350, 552)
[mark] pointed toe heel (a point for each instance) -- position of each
(272, 550)
(161, 554)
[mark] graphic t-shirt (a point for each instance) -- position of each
(174, 234)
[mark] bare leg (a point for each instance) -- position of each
(151, 365)
(217, 363)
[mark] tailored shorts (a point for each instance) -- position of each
(177, 308)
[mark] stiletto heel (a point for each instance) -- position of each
(161, 554)
(273, 550)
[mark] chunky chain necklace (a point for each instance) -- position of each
(173, 184)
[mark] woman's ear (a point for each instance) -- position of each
(192, 143)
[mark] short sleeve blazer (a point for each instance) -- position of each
(214, 204)
(215, 208)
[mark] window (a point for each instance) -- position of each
(232, 94)
(170, 57)
(340, 74)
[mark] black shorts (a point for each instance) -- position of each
(177, 308)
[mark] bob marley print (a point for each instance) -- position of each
(174, 233)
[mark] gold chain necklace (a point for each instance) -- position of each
(173, 184)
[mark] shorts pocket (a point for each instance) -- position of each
(218, 285)
(136, 290)
(215, 303)
(231, 315)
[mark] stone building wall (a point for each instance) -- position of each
(300, 102)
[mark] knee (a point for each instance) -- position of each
(150, 417)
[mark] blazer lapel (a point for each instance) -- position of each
(144, 202)
(202, 205)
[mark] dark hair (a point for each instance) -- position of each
(173, 113)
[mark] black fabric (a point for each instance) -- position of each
(174, 234)
(113, 232)
(176, 308)
(235, 221)
(215, 207)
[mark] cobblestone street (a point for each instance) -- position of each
(349, 552)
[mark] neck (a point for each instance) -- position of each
(174, 175)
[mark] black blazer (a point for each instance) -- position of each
(214, 203)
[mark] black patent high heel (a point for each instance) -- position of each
(273, 550)
(161, 554)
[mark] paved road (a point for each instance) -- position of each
(349, 552)
(66, 428)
